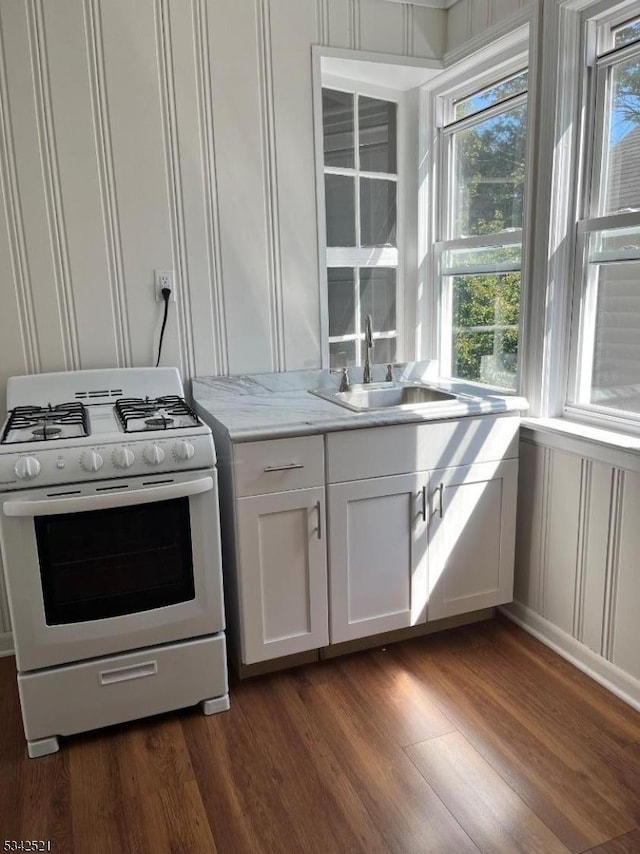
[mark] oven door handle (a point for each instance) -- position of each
(57, 506)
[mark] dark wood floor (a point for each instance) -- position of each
(477, 739)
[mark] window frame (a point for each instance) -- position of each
(358, 257)
(498, 60)
(597, 57)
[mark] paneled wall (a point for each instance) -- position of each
(168, 134)
(577, 583)
(470, 18)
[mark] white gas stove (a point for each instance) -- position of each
(111, 550)
(84, 426)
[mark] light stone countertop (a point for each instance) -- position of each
(254, 407)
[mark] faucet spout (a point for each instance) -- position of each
(368, 342)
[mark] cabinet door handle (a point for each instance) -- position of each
(319, 509)
(285, 467)
(424, 503)
(440, 492)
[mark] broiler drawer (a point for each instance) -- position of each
(105, 691)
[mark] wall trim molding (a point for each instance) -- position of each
(506, 27)
(52, 186)
(608, 675)
(174, 183)
(272, 200)
(211, 196)
(15, 225)
(106, 177)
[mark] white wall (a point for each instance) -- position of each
(577, 584)
(168, 134)
(470, 18)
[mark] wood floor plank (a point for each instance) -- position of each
(570, 805)
(101, 822)
(627, 844)
(240, 786)
(491, 813)
(318, 760)
(395, 697)
(610, 712)
(558, 722)
(405, 809)
(311, 774)
(175, 821)
(150, 754)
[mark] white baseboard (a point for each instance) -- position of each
(613, 678)
(6, 644)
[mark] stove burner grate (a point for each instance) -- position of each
(45, 422)
(160, 413)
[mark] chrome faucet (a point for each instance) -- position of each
(368, 342)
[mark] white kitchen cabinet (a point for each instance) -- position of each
(471, 537)
(377, 555)
(282, 573)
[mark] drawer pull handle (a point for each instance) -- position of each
(285, 467)
(440, 491)
(124, 674)
(319, 509)
(424, 503)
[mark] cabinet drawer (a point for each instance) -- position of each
(382, 451)
(106, 691)
(278, 465)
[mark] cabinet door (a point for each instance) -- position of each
(377, 555)
(471, 537)
(282, 573)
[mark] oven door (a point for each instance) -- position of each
(117, 565)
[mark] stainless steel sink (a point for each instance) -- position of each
(361, 398)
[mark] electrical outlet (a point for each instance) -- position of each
(164, 279)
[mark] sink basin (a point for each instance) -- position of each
(385, 395)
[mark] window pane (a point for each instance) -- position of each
(493, 95)
(378, 297)
(487, 259)
(489, 174)
(627, 33)
(486, 313)
(337, 123)
(377, 126)
(377, 212)
(340, 210)
(615, 381)
(342, 311)
(622, 151)
(342, 354)
(620, 244)
(383, 353)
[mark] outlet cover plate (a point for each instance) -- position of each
(164, 279)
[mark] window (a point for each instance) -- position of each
(361, 204)
(482, 142)
(605, 361)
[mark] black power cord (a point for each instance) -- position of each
(166, 293)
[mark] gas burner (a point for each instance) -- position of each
(160, 413)
(162, 423)
(45, 432)
(44, 423)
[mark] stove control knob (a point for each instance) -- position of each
(183, 451)
(153, 455)
(123, 458)
(27, 467)
(91, 461)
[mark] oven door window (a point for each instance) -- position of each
(106, 563)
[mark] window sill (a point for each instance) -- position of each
(608, 446)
